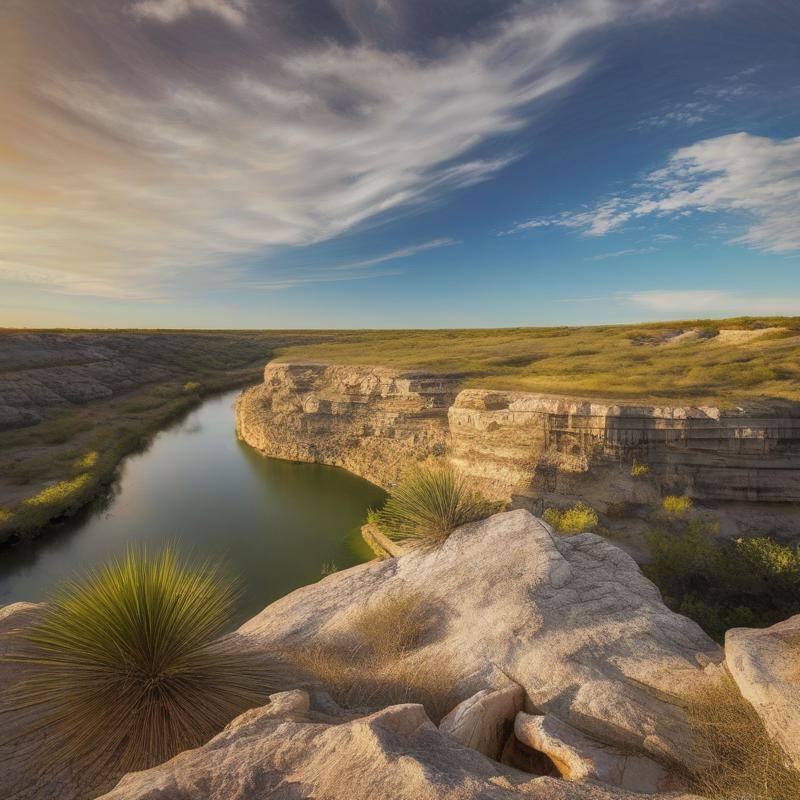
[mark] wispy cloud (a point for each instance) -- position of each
(141, 160)
(631, 251)
(404, 252)
(714, 302)
(233, 12)
(708, 101)
(754, 177)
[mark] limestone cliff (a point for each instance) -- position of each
(375, 421)
(369, 420)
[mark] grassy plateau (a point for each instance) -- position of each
(55, 461)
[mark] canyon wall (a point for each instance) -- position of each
(376, 421)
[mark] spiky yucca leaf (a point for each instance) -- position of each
(428, 504)
(125, 669)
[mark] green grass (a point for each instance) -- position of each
(124, 669)
(578, 519)
(748, 582)
(428, 504)
(612, 361)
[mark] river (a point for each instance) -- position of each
(276, 525)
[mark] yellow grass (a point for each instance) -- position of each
(59, 492)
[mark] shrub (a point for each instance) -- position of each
(742, 583)
(639, 469)
(382, 665)
(124, 667)
(191, 386)
(88, 460)
(578, 519)
(60, 492)
(676, 504)
(5, 515)
(425, 507)
(736, 756)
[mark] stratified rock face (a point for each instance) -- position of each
(375, 422)
(766, 667)
(284, 751)
(517, 441)
(371, 421)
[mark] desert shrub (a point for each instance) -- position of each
(125, 669)
(191, 386)
(382, 664)
(428, 504)
(639, 469)
(745, 582)
(736, 757)
(676, 504)
(578, 519)
(5, 515)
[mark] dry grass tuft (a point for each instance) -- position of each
(382, 666)
(428, 504)
(125, 668)
(738, 759)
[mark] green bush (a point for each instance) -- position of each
(676, 504)
(578, 519)
(742, 583)
(428, 504)
(124, 669)
(639, 469)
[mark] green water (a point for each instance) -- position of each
(275, 523)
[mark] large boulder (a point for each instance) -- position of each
(285, 751)
(765, 663)
(571, 620)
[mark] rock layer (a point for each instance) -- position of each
(376, 421)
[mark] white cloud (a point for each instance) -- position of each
(156, 172)
(631, 251)
(234, 12)
(405, 252)
(714, 302)
(752, 176)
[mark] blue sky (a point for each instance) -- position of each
(212, 163)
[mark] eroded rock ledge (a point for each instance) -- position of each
(375, 421)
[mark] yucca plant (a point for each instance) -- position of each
(428, 504)
(125, 668)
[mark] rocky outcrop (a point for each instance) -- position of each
(572, 621)
(285, 751)
(766, 667)
(371, 421)
(376, 421)
(43, 373)
(528, 624)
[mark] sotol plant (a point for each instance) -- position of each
(125, 669)
(428, 504)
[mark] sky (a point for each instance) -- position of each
(397, 163)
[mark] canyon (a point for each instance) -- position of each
(533, 450)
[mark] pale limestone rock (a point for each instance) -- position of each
(578, 757)
(485, 720)
(765, 663)
(277, 753)
(570, 619)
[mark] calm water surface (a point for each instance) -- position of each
(275, 523)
